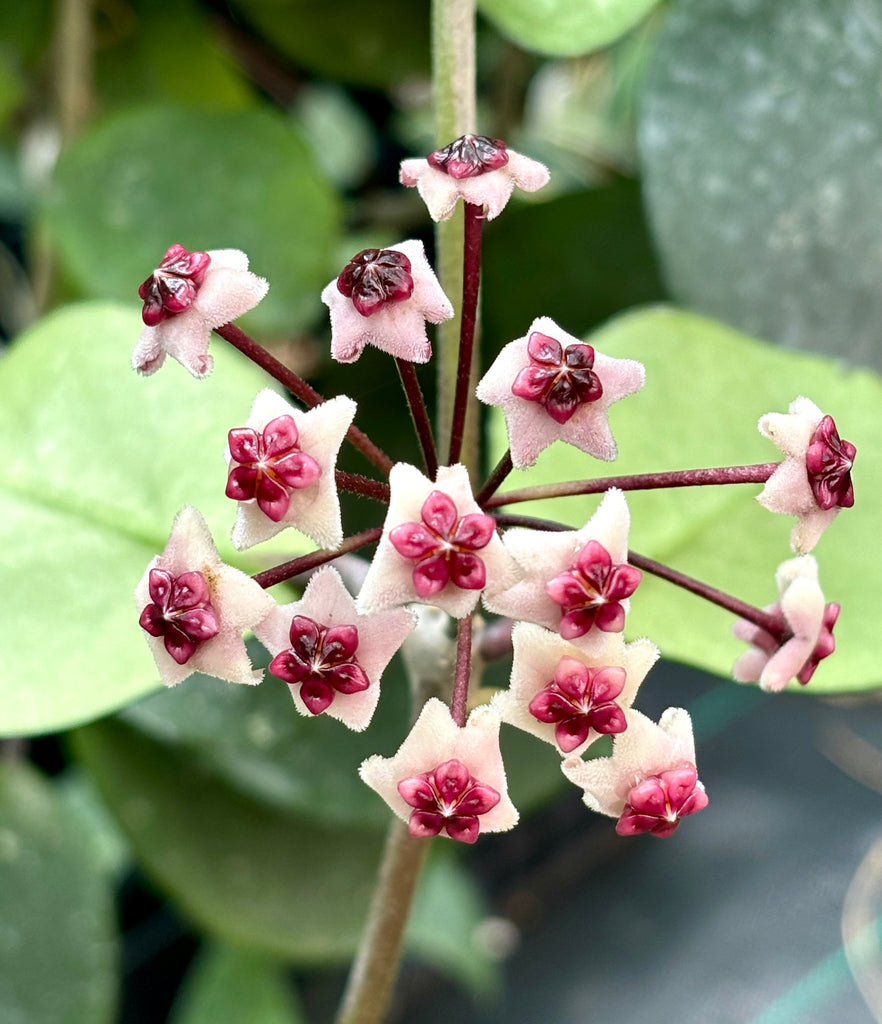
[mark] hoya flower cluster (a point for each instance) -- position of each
(444, 543)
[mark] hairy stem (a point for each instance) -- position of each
(471, 278)
(288, 570)
(362, 485)
(493, 482)
(459, 704)
(419, 414)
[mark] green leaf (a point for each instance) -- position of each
(347, 41)
(243, 872)
(561, 27)
(145, 179)
(707, 385)
(57, 935)
(227, 985)
(97, 461)
(761, 147)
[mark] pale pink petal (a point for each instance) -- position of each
(313, 510)
(239, 602)
(434, 739)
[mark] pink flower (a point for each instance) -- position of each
(566, 697)
(383, 297)
(804, 619)
(814, 480)
(194, 608)
(552, 386)
(578, 582)
(282, 465)
(437, 546)
(650, 783)
(477, 170)
(185, 298)
(445, 779)
(331, 655)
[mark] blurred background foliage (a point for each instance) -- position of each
(721, 154)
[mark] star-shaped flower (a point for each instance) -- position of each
(185, 298)
(437, 546)
(814, 481)
(566, 697)
(331, 655)
(801, 612)
(282, 465)
(446, 779)
(194, 608)
(576, 583)
(473, 168)
(551, 386)
(650, 782)
(383, 297)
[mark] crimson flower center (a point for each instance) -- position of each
(173, 286)
(657, 804)
(443, 545)
(375, 277)
(469, 156)
(447, 798)
(828, 463)
(180, 612)
(578, 699)
(561, 380)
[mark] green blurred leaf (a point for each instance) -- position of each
(707, 386)
(97, 462)
(226, 985)
(562, 27)
(375, 45)
(246, 873)
(339, 133)
(207, 179)
(57, 932)
(761, 144)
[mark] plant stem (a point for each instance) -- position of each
(376, 964)
(471, 278)
(300, 389)
(419, 414)
(287, 570)
(362, 485)
(459, 704)
(753, 474)
(493, 482)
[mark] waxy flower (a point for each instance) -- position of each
(566, 697)
(576, 583)
(331, 655)
(437, 546)
(282, 465)
(476, 169)
(551, 386)
(445, 779)
(650, 782)
(185, 298)
(805, 619)
(194, 608)
(383, 297)
(814, 481)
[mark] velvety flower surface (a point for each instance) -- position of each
(552, 386)
(383, 297)
(473, 168)
(802, 612)
(194, 608)
(814, 480)
(282, 465)
(445, 779)
(331, 655)
(186, 297)
(650, 782)
(566, 697)
(576, 583)
(437, 546)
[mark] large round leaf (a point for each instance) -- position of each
(96, 463)
(57, 937)
(565, 27)
(206, 179)
(706, 387)
(761, 144)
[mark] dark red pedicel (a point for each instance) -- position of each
(173, 286)
(181, 612)
(559, 379)
(828, 463)
(591, 591)
(447, 799)
(579, 699)
(470, 156)
(321, 661)
(374, 277)
(657, 804)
